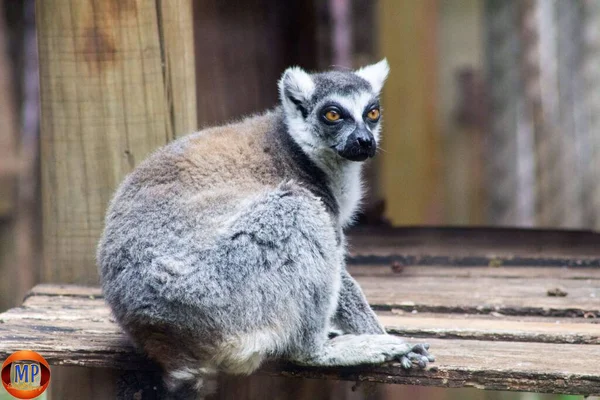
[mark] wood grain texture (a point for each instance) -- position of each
(9, 163)
(48, 304)
(111, 93)
(177, 44)
(474, 272)
(494, 327)
(450, 245)
(10, 284)
(242, 52)
(77, 330)
(518, 296)
(533, 367)
(464, 294)
(410, 163)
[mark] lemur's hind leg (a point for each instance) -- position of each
(348, 350)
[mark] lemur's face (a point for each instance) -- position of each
(337, 113)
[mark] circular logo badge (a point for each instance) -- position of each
(25, 374)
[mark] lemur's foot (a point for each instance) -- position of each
(418, 355)
(349, 350)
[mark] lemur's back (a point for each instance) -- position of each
(205, 176)
(214, 160)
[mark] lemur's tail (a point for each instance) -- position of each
(190, 384)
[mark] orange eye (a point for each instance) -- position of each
(373, 115)
(332, 115)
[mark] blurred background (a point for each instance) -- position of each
(492, 109)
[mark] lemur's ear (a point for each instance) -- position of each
(375, 74)
(295, 89)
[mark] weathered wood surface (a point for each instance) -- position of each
(49, 306)
(235, 80)
(71, 326)
(116, 82)
(412, 142)
(518, 296)
(9, 168)
(9, 162)
(505, 272)
(475, 247)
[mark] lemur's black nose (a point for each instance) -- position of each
(366, 142)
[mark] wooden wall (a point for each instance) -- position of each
(460, 110)
(111, 75)
(241, 51)
(9, 168)
(410, 164)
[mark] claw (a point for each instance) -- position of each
(411, 358)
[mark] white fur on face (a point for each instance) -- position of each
(375, 74)
(297, 83)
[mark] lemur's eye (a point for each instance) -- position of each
(374, 114)
(332, 115)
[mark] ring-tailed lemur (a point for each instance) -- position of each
(225, 248)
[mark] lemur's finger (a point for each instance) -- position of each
(421, 348)
(406, 363)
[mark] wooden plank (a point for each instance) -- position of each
(9, 161)
(464, 295)
(45, 289)
(397, 270)
(410, 178)
(111, 92)
(461, 49)
(519, 296)
(177, 44)
(492, 328)
(83, 334)
(55, 313)
(10, 284)
(474, 246)
(531, 367)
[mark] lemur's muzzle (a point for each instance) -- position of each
(359, 145)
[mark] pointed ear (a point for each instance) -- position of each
(375, 74)
(296, 87)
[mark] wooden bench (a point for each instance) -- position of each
(502, 309)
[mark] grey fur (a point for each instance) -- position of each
(225, 248)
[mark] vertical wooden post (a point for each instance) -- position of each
(8, 172)
(8, 125)
(410, 164)
(116, 82)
